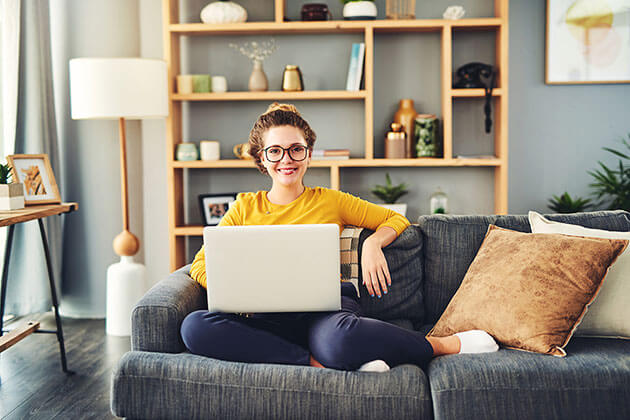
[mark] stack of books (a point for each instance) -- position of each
(331, 154)
(355, 70)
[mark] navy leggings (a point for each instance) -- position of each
(340, 340)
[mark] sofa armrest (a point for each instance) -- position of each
(157, 317)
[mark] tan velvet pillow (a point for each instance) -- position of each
(529, 291)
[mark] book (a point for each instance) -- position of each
(331, 152)
(330, 157)
(355, 69)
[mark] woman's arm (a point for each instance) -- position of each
(374, 267)
(387, 226)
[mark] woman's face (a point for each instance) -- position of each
(285, 172)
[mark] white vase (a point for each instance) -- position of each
(258, 80)
(359, 10)
(223, 12)
(400, 208)
(126, 284)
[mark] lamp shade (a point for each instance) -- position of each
(111, 88)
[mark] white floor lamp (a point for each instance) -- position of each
(120, 88)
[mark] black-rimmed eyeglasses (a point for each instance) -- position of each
(297, 152)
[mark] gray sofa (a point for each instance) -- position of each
(158, 379)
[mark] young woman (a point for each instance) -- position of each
(281, 143)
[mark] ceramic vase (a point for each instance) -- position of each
(223, 12)
(400, 208)
(258, 80)
(186, 152)
(359, 10)
(406, 116)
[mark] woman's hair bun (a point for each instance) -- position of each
(282, 107)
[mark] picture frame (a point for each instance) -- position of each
(586, 43)
(35, 172)
(214, 206)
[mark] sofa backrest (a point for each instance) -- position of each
(450, 243)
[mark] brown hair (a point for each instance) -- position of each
(277, 115)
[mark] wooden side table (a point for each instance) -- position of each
(10, 219)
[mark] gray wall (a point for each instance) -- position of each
(556, 132)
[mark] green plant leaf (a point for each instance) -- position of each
(389, 193)
(612, 184)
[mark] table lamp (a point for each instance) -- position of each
(120, 88)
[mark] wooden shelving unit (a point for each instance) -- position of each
(174, 30)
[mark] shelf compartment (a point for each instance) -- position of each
(333, 26)
(271, 95)
(347, 163)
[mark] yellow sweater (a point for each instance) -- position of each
(314, 206)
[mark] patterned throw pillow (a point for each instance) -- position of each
(349, 248)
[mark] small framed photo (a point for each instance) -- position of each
(35, 172)
(214, 206)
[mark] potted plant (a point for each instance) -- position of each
(359, 9)
(567, 204)
(612, 184)
(11, 194)
(389, 193)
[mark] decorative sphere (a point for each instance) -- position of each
(126, 244)
(223, 12)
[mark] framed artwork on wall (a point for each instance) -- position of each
(214, 206)
(587, 41)
(35, 172)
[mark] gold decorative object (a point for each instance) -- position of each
(406, 116)
(241, 151)
(395, 142)
(400, 9)
(292, 79)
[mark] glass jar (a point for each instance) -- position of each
(439, 202)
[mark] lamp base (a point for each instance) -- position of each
(126, 284)
(126, 244)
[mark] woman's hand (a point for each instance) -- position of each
(374, 267)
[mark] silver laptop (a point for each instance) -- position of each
(275, 268)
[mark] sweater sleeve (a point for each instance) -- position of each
(198, 267)
(357, 212)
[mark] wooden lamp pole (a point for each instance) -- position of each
(125, 243)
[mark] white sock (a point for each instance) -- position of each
(374, 366)
(476, 341)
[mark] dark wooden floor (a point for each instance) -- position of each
(33, 386)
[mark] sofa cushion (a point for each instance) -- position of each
(609, 314)
(404, 299)
(450, 243)
(592, 382)
(186, 386)
(529, 291)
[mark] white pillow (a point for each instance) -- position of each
(609, 314)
